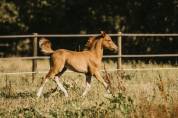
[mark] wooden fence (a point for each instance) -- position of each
(119, 56)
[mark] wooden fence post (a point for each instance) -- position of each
(119, 43)
(35, 51)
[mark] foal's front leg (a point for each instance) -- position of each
(100, 79)
(88, 86)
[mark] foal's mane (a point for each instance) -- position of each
(92, 42)
(98, 37)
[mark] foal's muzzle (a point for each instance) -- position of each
(115, 49)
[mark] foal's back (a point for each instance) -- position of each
(75, 61)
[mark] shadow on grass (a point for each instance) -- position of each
(17, 95)
(4, 93)
(29, 112)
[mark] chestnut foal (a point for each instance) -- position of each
(87, 62)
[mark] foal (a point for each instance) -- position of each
(87, 62)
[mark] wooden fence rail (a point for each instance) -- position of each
(35, 37)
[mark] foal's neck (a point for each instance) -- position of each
(98, 49)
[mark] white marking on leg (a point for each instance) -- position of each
(61, 87)
(39, 92)
(108, 91)
(41, 88)
(88, 86)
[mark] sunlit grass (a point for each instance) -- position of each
(135, 94)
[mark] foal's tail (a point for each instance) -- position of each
(45, 46)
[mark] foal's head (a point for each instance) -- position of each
(107, 42)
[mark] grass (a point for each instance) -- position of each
(135, 94)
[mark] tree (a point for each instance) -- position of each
(9, 18)
(91, 16)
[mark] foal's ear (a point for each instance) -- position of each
(103, 33)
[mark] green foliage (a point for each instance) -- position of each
(10, 21)
(26, 112)
(8, 12)
(123, 103)
(91, 16)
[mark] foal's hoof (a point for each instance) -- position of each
(38, 95)
(82, 96)
(108, 95)
(66, 95)
(108, 91)
(37, 98)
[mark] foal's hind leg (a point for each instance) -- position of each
(88, 86)
(60, 86)
(42, 86)
(51, 74)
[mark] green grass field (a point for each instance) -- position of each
(135, 94)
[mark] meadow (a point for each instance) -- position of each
(135, 94)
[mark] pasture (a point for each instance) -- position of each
(135, 93)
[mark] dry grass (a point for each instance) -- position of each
(135, 94)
